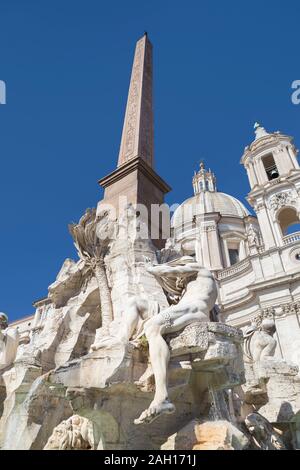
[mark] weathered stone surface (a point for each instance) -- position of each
(210, 435)
(282, 384)
(273, 388)
(211, 347)
(100, 368)
(68, 282)
(62, 333)
(102, 387)
(268, 368)
(215, 339)
(34, 406)
(193, 339)
(127, 363)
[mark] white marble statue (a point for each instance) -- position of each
(137, 310)
(253, 237)
(196, 293)
(259, 343)
(9, 341)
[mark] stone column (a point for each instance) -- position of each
(265, 225)
(210, 243)
(226, 253)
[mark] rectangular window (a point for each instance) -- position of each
(233, 256)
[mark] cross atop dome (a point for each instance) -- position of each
(204, 180)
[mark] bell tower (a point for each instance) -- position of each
(274, 177)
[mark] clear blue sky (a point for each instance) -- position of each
(219, 66)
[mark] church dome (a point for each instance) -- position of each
(207, 200)
(212, 226)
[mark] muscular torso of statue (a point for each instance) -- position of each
(202, 289)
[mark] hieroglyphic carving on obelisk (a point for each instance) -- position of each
(137, 135)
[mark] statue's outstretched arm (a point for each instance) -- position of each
(165, 270)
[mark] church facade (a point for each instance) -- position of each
(255, 258)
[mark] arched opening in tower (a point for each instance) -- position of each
(289, 221)
(270, 167)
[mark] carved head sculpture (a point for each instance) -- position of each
(75, 433)
(3, 321)
(59, 439)
(268, 326)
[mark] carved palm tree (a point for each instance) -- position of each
(91, 238)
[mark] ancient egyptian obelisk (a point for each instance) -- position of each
(135, 176)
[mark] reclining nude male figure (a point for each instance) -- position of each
(197, 300)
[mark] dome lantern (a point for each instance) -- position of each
(204, 180)
(212, 226)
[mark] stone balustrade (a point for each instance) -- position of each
(233, 270)
(294, 237)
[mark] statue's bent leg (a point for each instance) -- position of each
(172, 319)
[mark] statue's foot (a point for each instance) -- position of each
(155, 410)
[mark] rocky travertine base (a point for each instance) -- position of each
(282, 384)
(273, 388)
(112, 386)
(211, 435)
(199, 347)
